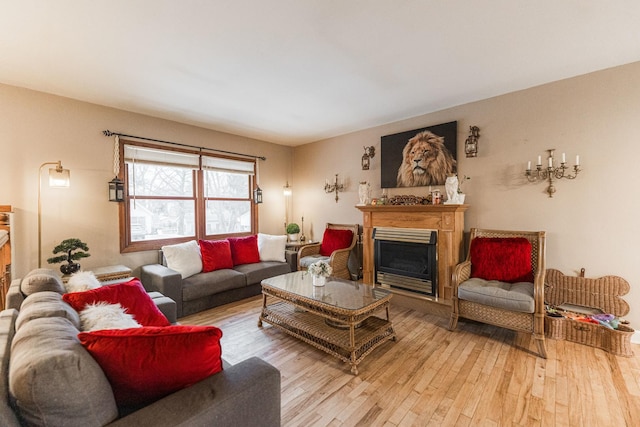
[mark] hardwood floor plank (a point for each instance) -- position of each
(478, 375)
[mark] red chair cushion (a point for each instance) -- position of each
(216, 255)
(244, 250)
(503, 259)
(146, 364)
(131, 296)
(334, 239)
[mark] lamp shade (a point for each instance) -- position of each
(59, 178)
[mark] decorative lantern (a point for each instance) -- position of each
(257, 194)
(116, 190)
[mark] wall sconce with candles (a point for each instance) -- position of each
(333, 188)
(471, 143)
(58, 178)
(551, 172)
(369, 153)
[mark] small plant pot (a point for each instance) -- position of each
(70, 268)
(293, 237)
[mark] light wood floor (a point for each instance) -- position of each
(431, 376)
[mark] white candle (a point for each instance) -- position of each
(550, 161)
(539, 160)
(529, 165)
(577, 160)
(564, 159)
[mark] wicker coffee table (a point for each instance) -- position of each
(337, 318)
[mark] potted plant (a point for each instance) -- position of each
(74, 249)
(293, 230)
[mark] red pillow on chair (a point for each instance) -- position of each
(216, 255)
(504, 259)
(335, 239)
(244, 250)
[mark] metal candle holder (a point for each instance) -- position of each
(333, 188)
(551, 172)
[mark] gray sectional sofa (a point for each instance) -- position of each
(48, 378)
(207, 290)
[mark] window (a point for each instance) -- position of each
(178, 195)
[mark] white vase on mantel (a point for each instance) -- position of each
(319, 280)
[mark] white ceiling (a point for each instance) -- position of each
(296, 71)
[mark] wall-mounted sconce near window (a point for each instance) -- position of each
(471, 143)
(552, 172)
(116, 186)
(257, 194)
(116, 190)
(369, 153)
(333, 188)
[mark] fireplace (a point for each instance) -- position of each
(405, 259)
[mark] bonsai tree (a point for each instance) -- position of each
(68, 246)
(293, 228)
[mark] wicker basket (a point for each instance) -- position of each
(603, 293)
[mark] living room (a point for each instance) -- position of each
(590, 221)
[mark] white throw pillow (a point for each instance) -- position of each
(103, 315)
(184, 258)
(82, 281)
(271, 248)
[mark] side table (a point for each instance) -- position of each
(108, 273)
(291, 253)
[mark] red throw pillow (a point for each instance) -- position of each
(503, 259)
(216, 254)
(334, 239)
(131, 295)
(244, 250)
(146, 364)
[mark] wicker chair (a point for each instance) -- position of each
(532, 322)
(339, 259)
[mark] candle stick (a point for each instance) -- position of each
(550, 161)
(529, 165)
(539, 160)
(577, 160)
(564, 159)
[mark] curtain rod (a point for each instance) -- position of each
(109, 133)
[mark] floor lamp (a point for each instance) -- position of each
(58, 178)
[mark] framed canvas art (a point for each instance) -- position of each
(419, 157)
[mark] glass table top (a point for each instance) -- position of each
(337, 292)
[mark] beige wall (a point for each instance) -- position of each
(591, 222)
(37, 128)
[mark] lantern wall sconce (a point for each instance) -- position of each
(471, 143)
(333, 188)
(552, 172)
(257, 195)
(369, 153)
(116, 190)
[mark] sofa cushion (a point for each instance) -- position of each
(272, 248)
(508, 296)
(145, 364)
(103, 315)
(257, 272)
(131, 295)
(46, 304)
(216, 255)
(503, 259)
(244, 250)
(334, 239)
(41, 279)
(54, 380)
(184, 258)
(310, 259)
(205, 284)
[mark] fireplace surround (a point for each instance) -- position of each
(446, 220)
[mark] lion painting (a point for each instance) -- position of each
(425, 161)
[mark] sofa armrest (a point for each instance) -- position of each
(245, 394)
(14, 295)
(156, 277)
